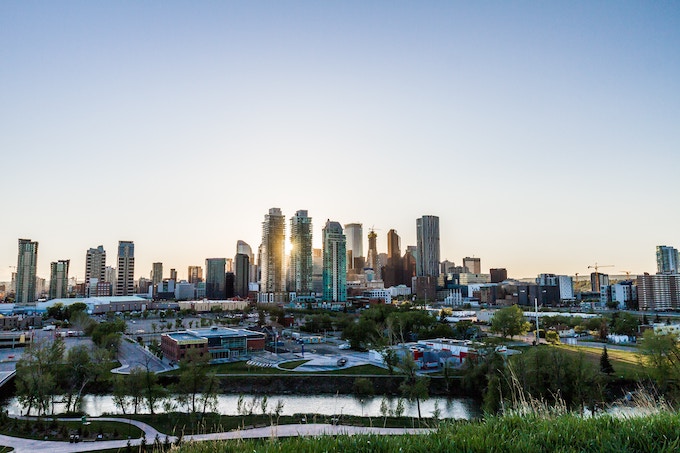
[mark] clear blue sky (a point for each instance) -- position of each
(545, 135)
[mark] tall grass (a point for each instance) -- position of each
(506, 433)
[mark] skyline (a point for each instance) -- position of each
(544, 136)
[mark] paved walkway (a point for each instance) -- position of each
(314, 429)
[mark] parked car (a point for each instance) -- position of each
(344, 346)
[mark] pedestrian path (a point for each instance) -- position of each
(21, 445)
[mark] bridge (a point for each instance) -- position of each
(6, 376)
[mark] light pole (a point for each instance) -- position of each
(536, 312)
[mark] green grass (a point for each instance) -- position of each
(360, 370)
(177, 422)
(626, 363)
(292, 364)
(242, 368)
(60, 431)
(565, 433)
(4, 449)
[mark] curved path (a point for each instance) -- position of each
(21, 445)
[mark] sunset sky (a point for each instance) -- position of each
(545, 135)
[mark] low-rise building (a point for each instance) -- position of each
(223, 344)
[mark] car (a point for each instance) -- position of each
(344, 346)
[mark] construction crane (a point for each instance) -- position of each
(597, 266)
(627, 274)
(597, 274)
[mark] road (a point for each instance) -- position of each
(315, 429)
(132, 355)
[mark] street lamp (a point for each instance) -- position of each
(536, 312)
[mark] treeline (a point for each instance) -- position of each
(48, 374)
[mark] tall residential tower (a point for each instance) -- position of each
(273, 251)
(27, 263)
(59, 279)
(427, 234)
(301, 253)
(95, 268)
(334, 263)
(125, 283)
(666, 259)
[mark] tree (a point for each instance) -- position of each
(197, 387)
(79, 371)
(135, 388)
(552, 337)
(37, 375)
(661, 356)
(624, 324)
(152, 391)
(415, 387)
(509, 321)
(605, 365)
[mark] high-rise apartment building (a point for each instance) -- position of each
(27, 263)
(59, 279)
(195, 274)
(110, 275)
(301, 253)
(474, 265)
(597, 280)
(427, 234)
(95, 267)
(273, 252)
(334, 263)
(125, 282)
(355, 246)
(156, 273)
(666, 259)
(317, 271)
(658, 292)
(173, 274)
(215, 278)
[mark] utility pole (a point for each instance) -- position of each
(536, 308)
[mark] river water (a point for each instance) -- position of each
(456, 408)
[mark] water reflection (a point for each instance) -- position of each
(457, 408)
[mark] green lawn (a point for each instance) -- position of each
(626, 364)
(293, 364)
(47, 429)
(177, 422)
(360, 370)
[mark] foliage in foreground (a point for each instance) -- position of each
(511, 433)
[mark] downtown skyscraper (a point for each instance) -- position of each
(301, 253)
(95, 268)
(125, 283)
(427, 235)
(59, 279)
(272, 252)
(27, 263)
(334, 263)
(215, 278)
(355, 246)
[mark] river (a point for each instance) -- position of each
(456, 408)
